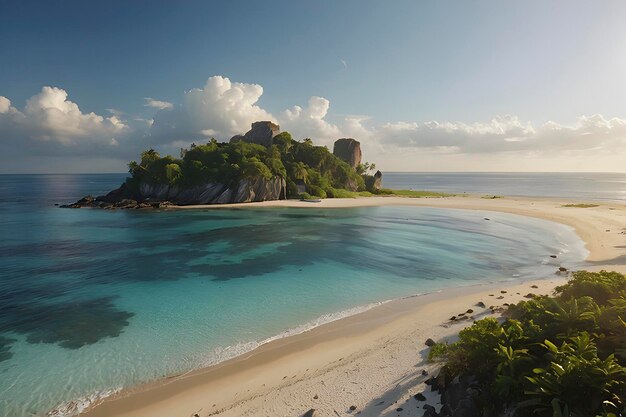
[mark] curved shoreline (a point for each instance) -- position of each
(242, 385)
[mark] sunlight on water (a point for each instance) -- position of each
(93, 301)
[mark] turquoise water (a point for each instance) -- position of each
(92, 301)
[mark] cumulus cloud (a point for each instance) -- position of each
(157, 104)
(506, 134)
(50, 117)
(50, 124)
(310, 121)
(221, 109)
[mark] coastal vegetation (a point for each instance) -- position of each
(310, 171)
(580, 205)
(560, 356)
(299, 163)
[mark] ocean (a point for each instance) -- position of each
(93, 301)
(572, 186)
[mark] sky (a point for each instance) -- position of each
(423, 85)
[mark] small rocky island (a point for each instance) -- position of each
(263, 164)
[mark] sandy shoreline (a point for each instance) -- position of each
(374, 359)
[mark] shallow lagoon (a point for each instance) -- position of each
(92, 301)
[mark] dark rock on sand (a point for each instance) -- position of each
(480, 304)
(424, 372)
(352, 407)
(469, 311)
(419, 397)
(430, 411)
(562, 269)
(430, 342)
(553, 256)
(530, 295)
(311, 413)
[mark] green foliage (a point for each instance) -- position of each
(580, 205)
(173, 173)
(553, 356)
(316, 191)
(437, 352)
(601, 286)
(228, 163)
(412, 193)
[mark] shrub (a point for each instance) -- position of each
(316, 191)
(552, 356)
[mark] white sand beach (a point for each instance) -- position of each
(373, 360)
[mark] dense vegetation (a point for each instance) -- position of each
(553, 356)
(322, 173)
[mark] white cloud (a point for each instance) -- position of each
(220, 107)
(309, 122)
(157, 104)
(50, 117)
(50, 124)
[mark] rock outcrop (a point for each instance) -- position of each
(349, 150)
(163, 195)
(374, 182)
(261, 133)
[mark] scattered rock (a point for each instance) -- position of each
(552, 256)
(502, 292)
(490, 295)
(487, 218)
(419, 397)
(469, 311)
(424, 372)
(452, 318)
(315, 397)
(399, 409)
(562, 269)
(430, 411)
(352, 407)
(480, 304)
(499, 298)
(430, 342)
(534, 286)
(530, 295)
(311, 413)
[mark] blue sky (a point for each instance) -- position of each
(390, 67)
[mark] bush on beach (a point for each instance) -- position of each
(552, 356)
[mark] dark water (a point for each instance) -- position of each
(576, 186)
(94, 300)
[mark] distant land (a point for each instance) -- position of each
(263, 164)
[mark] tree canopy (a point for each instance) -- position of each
(315, 167)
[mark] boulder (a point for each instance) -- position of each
(348, 150)
(374, 182)
(430, 342)
(261, 133)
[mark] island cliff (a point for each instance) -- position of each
(263, 164)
